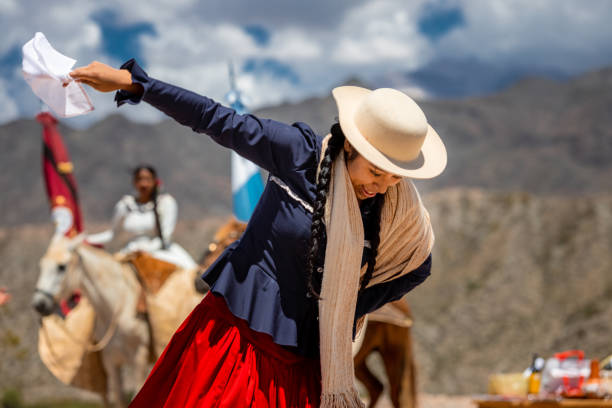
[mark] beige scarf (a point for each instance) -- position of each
(406, 239)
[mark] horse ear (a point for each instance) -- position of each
(76, 241)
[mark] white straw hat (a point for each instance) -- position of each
(390, 131)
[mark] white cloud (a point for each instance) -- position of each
(8, 108)
(323, 42)
(8, 6)
(294, 44)
(569, 34)
(381, 33)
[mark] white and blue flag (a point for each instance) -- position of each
(247, 185)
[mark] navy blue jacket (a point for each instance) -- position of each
(263, 275)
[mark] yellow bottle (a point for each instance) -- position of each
(535, 378)
(534, 383)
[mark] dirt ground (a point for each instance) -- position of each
(434, 401)
(425, 401)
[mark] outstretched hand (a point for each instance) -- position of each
(105, 78)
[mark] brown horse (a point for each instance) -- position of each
(224, 236)
(388, 332)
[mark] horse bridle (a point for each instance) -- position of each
(47, 294)
(107, 335)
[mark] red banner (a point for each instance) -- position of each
(59, 180)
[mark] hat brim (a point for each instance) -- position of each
(430, 162)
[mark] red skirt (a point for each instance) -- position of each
(215, 360)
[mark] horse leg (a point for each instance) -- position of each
(363, 374)
(408, 396)
(394, 356)
(105, 402)
(114, 383)
(375, 388)
(141, 364)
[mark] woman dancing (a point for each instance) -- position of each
(339, 231)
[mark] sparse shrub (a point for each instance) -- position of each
(11, 398)
(10, 339)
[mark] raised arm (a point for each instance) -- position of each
(274, 146)
(107, 236)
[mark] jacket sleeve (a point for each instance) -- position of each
(376, 296)
(107, 236)
(277, 147)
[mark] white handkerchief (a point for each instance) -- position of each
(46, 71)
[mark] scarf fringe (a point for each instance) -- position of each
(345, 399)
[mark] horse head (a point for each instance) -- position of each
(59, 275)
(224, 236)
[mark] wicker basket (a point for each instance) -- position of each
(512, 384)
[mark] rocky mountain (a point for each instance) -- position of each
(513, 274)
(523, 220)
(192, 167)
(451, 78)
(539, 136)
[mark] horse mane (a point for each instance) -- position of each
(232, 226)
(100, 262)
(224, 236)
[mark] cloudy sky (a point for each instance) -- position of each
(291, 49)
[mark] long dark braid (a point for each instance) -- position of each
(317, 230)
(316, 254)
(372, 233)
(154, 195)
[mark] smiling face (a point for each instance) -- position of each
(367, 179)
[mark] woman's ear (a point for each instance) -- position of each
(350, 152)
(347, 147)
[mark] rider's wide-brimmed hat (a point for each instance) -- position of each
(391, 131)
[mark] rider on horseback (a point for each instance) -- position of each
(149, 218)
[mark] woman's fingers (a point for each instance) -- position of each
(88, 82)
(98, 75)
(79, 72)
(88, 72)
(105, 78)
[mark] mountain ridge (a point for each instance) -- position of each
(539, 136)
(513, 273)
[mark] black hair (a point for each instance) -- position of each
(318, 238)
(372, 235)
(154, 195)
(147, 167)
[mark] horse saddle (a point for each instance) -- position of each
(395, 313)
(151, 272)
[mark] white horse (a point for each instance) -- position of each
(113, 289)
